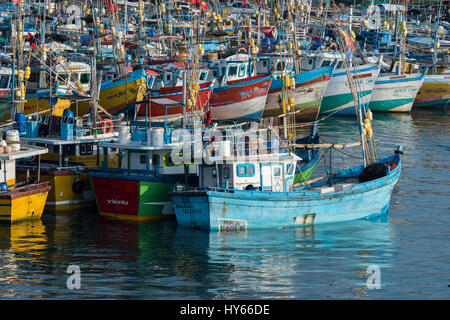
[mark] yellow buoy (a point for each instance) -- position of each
(27, 72)
(292, 83)
(291, 102)
(352, 34)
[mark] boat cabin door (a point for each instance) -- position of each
(277, 180)
(271, 177)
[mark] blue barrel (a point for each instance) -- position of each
(66, 131)
(20, 123)
(32, 129)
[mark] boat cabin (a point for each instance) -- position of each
(5, 82)
(171, 75)
(70, 143)
(269, 172)
(271, 63)
(322, 59)
(235, 67)
(146, 151)
(69, 77)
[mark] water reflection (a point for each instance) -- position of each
(288, 263)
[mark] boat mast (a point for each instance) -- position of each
(435, 45)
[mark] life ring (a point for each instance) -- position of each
(78, 186)
(110, 126)
(333, 46)
(242, 50)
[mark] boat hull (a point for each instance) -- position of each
(35, 102)
(24, 203)
(132, 199)
(240, 100)
(116, 94)
(395, 93)
(224, 211)
(159, 108)
(338, 97)
(434, 92)
(309, 89)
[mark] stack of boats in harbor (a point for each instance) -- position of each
(149, 110)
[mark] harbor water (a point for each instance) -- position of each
(408, 248)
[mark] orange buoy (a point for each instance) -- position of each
(107, 123)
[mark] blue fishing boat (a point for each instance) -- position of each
(268, 198)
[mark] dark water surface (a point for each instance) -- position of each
(160, 260)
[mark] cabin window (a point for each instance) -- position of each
(214, 172)
(232, 71)
(242, 70)
(69, 149)
(202, 76)
(339, 65)
(155, 159)
(215, 73)
(4, 80)
(277, 171)
(278, 66)
(326, 63)
(84, 78)
(245, 170)
(143, 159)
(168, 77)
(264, 63)
(224, 69)
(86, 149)
(289, 168)
(309, 61)
(226, 173)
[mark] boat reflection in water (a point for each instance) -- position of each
(22, 244)
(291, 263)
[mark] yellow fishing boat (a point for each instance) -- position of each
(20, 200)
(434, 92)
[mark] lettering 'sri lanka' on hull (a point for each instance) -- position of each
(129, 199)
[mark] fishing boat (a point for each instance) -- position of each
(168, 90)
(117, 92)
(338, 95)
(274, 201)
(137, 189)
(307, 92)
(73, 146)
(395, 93)
(238, 94)
(434, 92)
(20, 199)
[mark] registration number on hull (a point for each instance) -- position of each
(231, 225)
